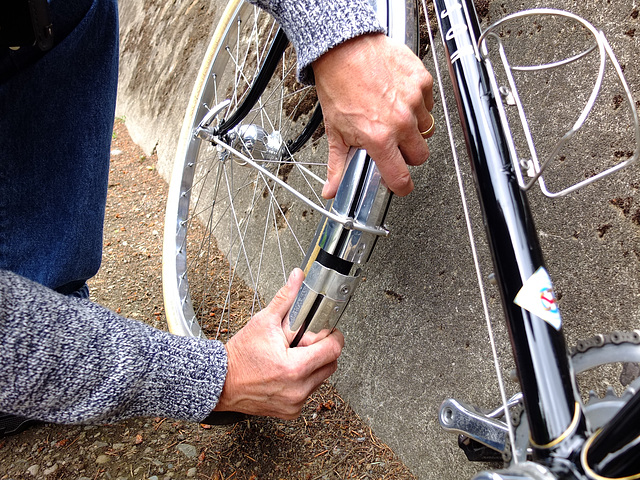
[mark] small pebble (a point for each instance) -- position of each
(51, 470)
(34, 470)
(189, 450)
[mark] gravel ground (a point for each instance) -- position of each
(329, 441)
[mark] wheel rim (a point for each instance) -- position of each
(232, 235)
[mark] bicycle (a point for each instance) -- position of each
(260, 167)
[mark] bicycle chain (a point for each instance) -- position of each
(597, 341)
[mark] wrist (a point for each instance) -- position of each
(346, 52)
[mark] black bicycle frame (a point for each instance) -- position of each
(551, 399)
(539, 349)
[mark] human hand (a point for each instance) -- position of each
(377, 95)
(265, 376)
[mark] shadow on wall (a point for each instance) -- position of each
(161, 48)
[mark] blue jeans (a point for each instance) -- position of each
(56, 120)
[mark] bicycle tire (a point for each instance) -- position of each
(232, 248)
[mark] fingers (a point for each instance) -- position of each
(380, 103)
(396, 175)
(413, 147)
(423, 114)
(317, 363)
(265, 376)
(427, 91)
(291, 409)
(393, 147)
(338, 153)
(427, 127)
(391, 159)
(317, 355)
(414, 150)
(412, 144)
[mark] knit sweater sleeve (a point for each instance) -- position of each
(315, 26)
(68, 360)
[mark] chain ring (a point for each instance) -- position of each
(599, 350)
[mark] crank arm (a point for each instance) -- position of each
(457, 417)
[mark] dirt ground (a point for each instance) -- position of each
(329, 441)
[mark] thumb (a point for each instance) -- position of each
(283, 300)
(338, 153)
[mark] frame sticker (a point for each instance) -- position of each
(537, 297)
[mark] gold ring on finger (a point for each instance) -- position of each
(429, 130)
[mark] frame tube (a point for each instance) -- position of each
(614, 451)
(553, 407)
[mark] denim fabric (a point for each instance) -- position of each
(56, 118)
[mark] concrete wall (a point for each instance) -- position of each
(161, 48)
(416, 333)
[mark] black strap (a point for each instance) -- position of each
(224, 418)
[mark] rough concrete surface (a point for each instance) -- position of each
(416, 333)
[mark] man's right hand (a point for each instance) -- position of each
(377, 95)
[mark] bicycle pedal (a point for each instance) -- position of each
(477, 452)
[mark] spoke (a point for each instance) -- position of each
(305, 173)
(233, 271)
(294, 161)
(256, 298)
(199, 214)
(215, 89)
(194, 207)
(264, 102)
(271, 100)
(235, 76)
(202, 179)
(246, 56)
(236, 224)
(192, 264)
(284, 76)
(274, 200)
(239, 74)
(275, 226)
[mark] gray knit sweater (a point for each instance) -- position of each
(315, 26)
(68, 360)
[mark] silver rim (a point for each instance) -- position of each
(232, 235)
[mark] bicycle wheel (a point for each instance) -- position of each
(232, 234)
